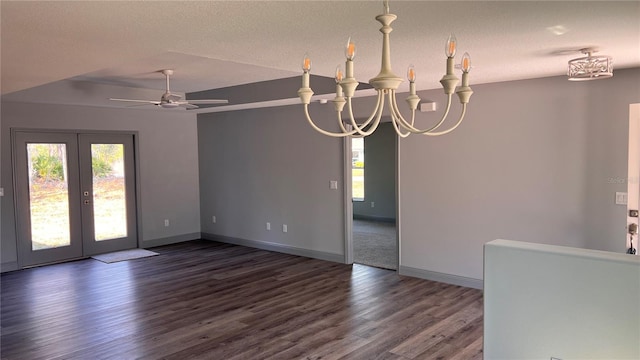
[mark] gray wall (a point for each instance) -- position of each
(379, 176)
(268, 165)
(167, 159)
(532, 162)
(535, 160)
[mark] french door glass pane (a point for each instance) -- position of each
(48, 196)
(109, 201)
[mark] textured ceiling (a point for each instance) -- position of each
(219, 44)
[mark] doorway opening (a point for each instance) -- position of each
(373, 185)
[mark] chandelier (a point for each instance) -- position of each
(386, 83)
(590, 67)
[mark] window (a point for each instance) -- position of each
(357, 169)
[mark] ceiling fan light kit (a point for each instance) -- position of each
(590, 67)
(386, 83)
(169, 100)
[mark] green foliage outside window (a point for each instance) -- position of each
(101, 168)
(48, 167)
(103, 156)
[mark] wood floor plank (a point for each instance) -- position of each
(207, 300)
(429, 337)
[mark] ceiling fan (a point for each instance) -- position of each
(170, 100)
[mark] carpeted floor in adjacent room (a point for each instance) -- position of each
(374, 244)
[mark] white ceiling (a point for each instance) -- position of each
(216, 44)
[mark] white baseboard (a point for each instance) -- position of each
(145, 244)
(441, 277)
(286, 249)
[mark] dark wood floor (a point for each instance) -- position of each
(208, 300)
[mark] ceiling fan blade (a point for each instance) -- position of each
(208, 101)
(137, 101)
(136, 105)
(189, 106)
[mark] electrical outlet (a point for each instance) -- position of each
(373, 204)
(213, 219)
(166, 222)
(284, 228)
(1, 191)
(268, 226)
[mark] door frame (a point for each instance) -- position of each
(348, 202)
(22, 202)
(633, 174)
(85, 140)
(137, 183)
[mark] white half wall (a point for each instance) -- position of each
(543, 302)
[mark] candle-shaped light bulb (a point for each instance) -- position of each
(339, 74)
(450, 48)
(350, 50)
(411, 73)
(385, 5)
(465, 64)
(306, 63)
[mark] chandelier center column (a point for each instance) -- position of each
(386, 79)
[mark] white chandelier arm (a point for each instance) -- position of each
(323, 132)
(395, 110)
(397, 128)
(464, 110)
(360, 129)
(394, 121)
(340, 122)
(415, 130)
(344, 129)
(377, 113)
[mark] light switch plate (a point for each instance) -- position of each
(621, 198)
(333, 185)
(1, 191)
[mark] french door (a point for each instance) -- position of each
(75, 195)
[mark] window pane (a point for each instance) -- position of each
(357, 168)
(48, 196)
(109, 201)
